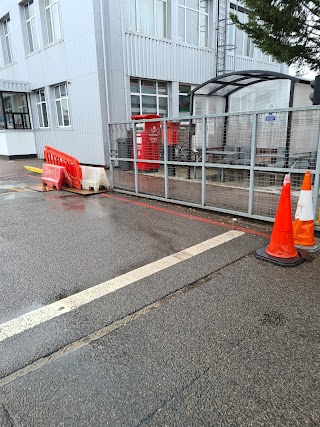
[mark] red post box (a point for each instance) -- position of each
(148, 141)
(173, 133)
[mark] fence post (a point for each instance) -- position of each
(165, 158)
(110, 151)
(252, 162)
(203, 161)
(316, 181)
(135, 157)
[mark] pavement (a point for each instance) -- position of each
(118, 311)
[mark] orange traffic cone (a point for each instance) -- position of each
(281, 249)
(303, 225)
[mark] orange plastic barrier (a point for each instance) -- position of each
(71, 164)
(55, 176)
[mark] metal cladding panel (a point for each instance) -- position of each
(246, 63)
(86, 148)
(194, 65)
(84, 138)
(148, 57)
(164, 60)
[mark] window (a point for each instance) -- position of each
(149, 97)
(31, 27)
(7, 50)
(52, 18)
(193, 22)
(148, 17)
(238, 38)
(42, 108)
(62, 105)
(184, 100)
(16, 113)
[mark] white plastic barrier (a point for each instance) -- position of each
(93, 178)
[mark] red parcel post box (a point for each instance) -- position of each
(148, 141)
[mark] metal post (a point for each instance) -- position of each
(203, 162)
(165, 158)
(135, 157)
(110, 155)
(252, 163)
(316, 181)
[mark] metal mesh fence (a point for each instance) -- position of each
(231, 163)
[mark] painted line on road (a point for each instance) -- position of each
(193, 217)
(36, 317)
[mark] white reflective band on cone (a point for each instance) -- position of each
(304, 210)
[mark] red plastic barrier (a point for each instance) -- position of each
(55, 176)
(71, 164)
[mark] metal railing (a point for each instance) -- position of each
(232, 163)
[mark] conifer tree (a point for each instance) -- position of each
(289, 30)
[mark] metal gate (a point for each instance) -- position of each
(232, 163)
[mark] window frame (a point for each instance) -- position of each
(247, 47)
(39, 105)
(140, 93)
(10, 112)
(35, 37)
(140, 30)
(49, 7)
(62, 98)
(186, 8)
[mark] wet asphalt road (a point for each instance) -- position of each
(220, 339)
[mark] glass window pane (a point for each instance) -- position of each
(45, 115)
(35, 34)
(192, 27)
(38, 96)
(26, 121)
(56, 21)
(57, 92)
(30, 40)
(65, 112)
(203, 30)
(194, 4)
(149, 105)
(204, 6)
(63, 90)
(182, 35)
(182, 2)
(9, 118)
(132, 19)
(161, 19)
(31, 9)
(184, 104)
(7, 103)
(145, 18)
(43, 97)
(134, 85)
(2, 122)
(58, 106)
(184, 88)
(135, 105)
(49, 26)
(8, 50)
(18, 123)
(163, 88)
(163, 107)
(27, 11)
(148, 86)
(40, 116)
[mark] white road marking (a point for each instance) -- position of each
(36, 317)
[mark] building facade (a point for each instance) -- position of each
(69, 68)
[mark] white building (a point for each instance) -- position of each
(70, 67)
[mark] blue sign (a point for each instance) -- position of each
(270, 117)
